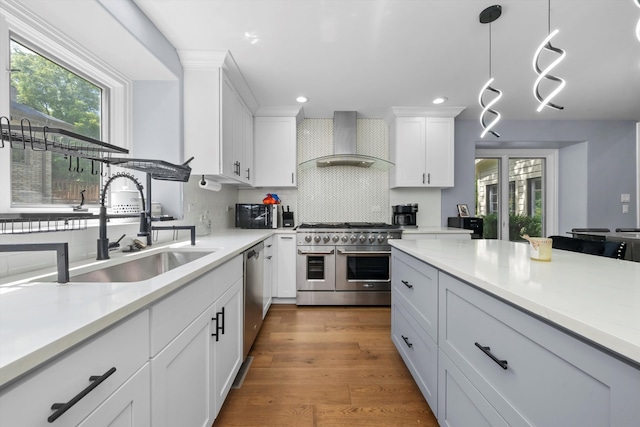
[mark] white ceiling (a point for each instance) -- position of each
(369, 55)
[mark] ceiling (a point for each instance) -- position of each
(369, 55)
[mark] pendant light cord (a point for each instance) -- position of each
(490, 50)
(549, 17)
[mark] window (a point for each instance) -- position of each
(47, 94)
(79, 92)
(516, 192)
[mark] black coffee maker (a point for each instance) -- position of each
(405, 215)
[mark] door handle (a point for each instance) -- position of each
(303, 252)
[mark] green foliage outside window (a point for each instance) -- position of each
(518, 225)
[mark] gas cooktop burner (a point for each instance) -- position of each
(347, 225)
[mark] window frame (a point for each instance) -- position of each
(24, 27)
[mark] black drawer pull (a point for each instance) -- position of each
(61, 408)
(487, 351)
(406, 341)
(407, 284)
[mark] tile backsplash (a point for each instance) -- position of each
(342, 193)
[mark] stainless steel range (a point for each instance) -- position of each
(345, 263)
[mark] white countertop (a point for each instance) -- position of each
(436, 230)
(595, 297)
(39, 321)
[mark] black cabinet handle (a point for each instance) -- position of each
(219, 321)
(404, 282)
(61, 408)
(487, 351)
(406, 341)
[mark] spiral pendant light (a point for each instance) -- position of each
(546, 73)
(637, 2)
(487, 16)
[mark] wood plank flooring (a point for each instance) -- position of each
(326, 366)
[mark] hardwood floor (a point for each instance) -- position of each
(326, 366)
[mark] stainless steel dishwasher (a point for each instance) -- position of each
(253, 289)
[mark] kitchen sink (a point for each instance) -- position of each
(142, 268)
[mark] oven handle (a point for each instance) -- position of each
(303, 252)
(342, 252)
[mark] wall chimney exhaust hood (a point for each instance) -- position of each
(344, 146)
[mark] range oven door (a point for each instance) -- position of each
(316, 268)
(362, 268)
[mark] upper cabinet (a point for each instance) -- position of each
(218, 118)
(275, 150)
(422, 147)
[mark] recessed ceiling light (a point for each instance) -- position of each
(440, 100)
(302, 99)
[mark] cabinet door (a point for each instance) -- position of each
(439, 152)
(227, 343)
(228, 102)
(286, 266)
(275, 152)
(409, 152)
(269, 260)
(129, 406)
(182, 380)
(248, 168)
(460, 404)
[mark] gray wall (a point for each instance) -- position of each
(610, 165)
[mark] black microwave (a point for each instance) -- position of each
(254, 215)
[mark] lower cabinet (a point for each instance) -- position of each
(285, 277)
(115, 360)
(497, 365)
(129, 406)
(192, 375)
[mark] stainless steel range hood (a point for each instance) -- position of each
(344, 146)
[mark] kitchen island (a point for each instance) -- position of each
(518, 342)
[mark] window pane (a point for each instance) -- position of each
(488, 196)
(526, 218)
(48, 94)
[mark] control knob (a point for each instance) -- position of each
(381, 238)
(353, 238)
(362, 239)
(307, 238)
(372, 239)
(316, 239)
(345, 238)
(335, 238)
(325, 239)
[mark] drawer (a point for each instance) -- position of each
(418, 350)
(460, 403)
(417, 284)
(176, 311)
(548, 377)
(124, 347)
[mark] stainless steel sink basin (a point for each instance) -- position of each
(140, 269)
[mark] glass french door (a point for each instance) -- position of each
(512, 193)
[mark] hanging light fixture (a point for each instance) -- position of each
(487, 16)
(637, 2)
(545, 74)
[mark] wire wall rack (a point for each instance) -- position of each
(42, 223)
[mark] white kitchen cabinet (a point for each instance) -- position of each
(414, 321)
(129, 406)
(275, 152)
(218, 120)
(124, 346)
(228, 342)
(422, 149)
(269, 260)
(192, 374)
(530, 372)
(182, 379)
(285, 277)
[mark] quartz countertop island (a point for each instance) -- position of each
(595, 298)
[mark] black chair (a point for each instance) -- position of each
(627, 230)
(607, 249)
